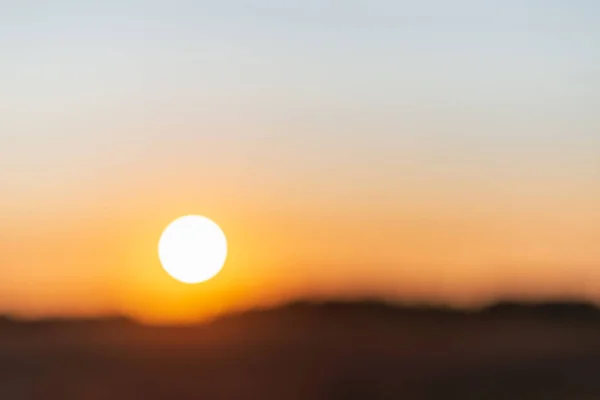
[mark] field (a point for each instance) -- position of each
(337, 350)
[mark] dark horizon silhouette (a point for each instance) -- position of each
(556, 308)
(313, 350)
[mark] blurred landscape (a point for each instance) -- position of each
(444, 152)
(307, 350)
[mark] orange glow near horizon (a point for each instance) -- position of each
(106, 262)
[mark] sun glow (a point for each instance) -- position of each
(192, 249)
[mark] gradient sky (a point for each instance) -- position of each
(432, 150)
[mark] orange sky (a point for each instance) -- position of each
(102, 258)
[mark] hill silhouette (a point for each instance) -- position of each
(305, 350)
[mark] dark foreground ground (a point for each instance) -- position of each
(304, 351)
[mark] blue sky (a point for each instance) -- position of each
(391, 90)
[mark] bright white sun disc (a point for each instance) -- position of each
(192, 249)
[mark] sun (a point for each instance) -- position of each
(192, 249)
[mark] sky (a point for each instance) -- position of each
(417, 151)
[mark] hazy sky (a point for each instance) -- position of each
(422, 150)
